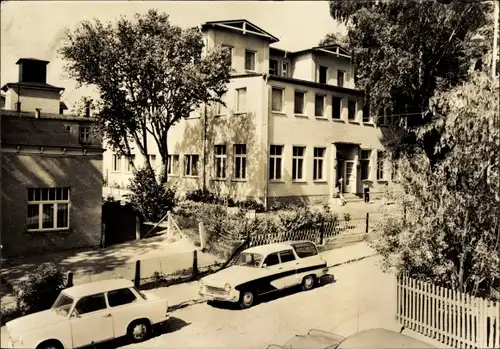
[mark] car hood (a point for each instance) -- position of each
(234, 276)
(30, 322)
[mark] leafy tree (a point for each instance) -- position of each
(451, 233)
(148, 197)
(149, 75)
(406, 51)
(336, 39)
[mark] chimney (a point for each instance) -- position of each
(87, 110)
(37, 113)
(32, 70)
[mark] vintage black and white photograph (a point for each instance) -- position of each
(250, 174)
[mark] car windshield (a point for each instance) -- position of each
(63, 304)
(249, 259)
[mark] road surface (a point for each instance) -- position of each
(361, 297)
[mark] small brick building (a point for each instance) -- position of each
(51, 169)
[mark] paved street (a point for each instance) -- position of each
(333, 307)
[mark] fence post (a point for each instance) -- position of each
(201, 229)
(137, 277)
(69, 279)
(103, 235)
(322, 233)
(195, 264)
(137, 228)
(169, 224)
(367, 220)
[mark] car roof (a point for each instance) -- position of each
(95, 287)
(275, 247)
(381, 338)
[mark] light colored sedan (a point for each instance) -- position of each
(90, 313)
(264, 269)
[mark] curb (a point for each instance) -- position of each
(196, 301)
(351, 260)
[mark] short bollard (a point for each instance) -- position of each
(69, 278)
(195, 264)
(137, 277)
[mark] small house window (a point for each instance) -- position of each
(250, 60)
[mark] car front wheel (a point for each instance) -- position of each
(308, 282)
(247, 299)
(139, 331)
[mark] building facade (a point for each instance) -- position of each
(293, 127)
(51, 169)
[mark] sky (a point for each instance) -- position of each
(36, 28)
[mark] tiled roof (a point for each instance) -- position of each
(24, 131)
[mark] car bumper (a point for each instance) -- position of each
(231, 297)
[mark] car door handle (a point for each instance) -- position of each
(280, 268)
(108, 315)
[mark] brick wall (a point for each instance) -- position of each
(83, 174)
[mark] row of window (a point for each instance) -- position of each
(48, 209)
(250, 57)
(276, 163)
(320, 101)
(121, 163)
(220, 164)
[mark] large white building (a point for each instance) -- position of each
(294, 126)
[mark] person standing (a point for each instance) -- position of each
(366, 192)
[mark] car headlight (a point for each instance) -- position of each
(227, 288)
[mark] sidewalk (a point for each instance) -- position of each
(175, 252)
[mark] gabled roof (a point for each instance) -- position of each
(336, 50)
(242, 26)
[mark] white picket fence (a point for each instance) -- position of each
(453, 318)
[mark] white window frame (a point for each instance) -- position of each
(343, 77)
(273, 158)
(324, 106)
(341, 107)
(319, 74)
(55, 202)
(239, 108)
(240, 158)
(254, 62)
(282, 91)
(284, 69)
(274, 71)
(231, 50)
(355, 109)
(381, 166)
(116, 163)
(188, 160)
(128, 167)
(303, 102)
(220, 161)
(173, 170)
(320, 175)
(363, 161)
(298, 162)
(84, 134)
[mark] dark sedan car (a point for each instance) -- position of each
(368, 339)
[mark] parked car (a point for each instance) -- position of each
(263, 269)
(372, 338)
(90, 313)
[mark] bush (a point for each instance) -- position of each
(41, 289)
(224, 230)
(212, 198)
(149, 197)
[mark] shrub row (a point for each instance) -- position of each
(212, 198)
(224, 229)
